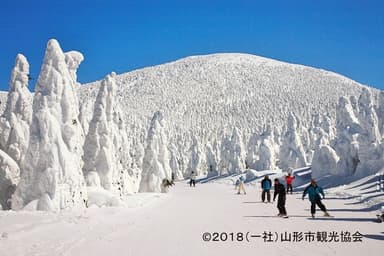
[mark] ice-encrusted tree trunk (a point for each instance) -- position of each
(196, 158)
(51, 176)
(106, 151)
(267, 158)
(325, 158)
(236, 152)
(380, 112)
(16, 119)
(174, 162)
(370, 152)
(368, 118)
(156, 160)
(225, 155)
(292, 153)
(252, 150)
(9, 178)
(346, 144)
(212, 160)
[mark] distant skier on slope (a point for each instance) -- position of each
(289, 180)
(266, 185)
(193, 179)
(237, 183)
(280, 192)
(314, 191)
(241, 185)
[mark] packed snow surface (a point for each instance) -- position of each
(174, 223)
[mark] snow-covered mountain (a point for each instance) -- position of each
(219, 91)
(203, 98)
(213, 115)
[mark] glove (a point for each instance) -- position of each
(302, 198)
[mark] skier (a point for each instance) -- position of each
(173, 179)
(193, 179)
(280, 192)
(266, 185)
(289, 180)
(314, 193)
(241, 185)
(237, 183)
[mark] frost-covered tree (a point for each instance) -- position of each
(236, 152)
(292, 153)
(356, 149)
(380, 112)
(156, 160)
(252, 150)
(368, 118)
(225, 155)
(51, 176)
(174, 162)
(196, 158)
(211, 159)
(346, 144)
(9, 178)
(325, 158)
(267, 158)
(106, 151)
(16, 119)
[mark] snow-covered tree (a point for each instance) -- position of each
(9, 178)
(346, 144)
(236, 152)
(292, 153)
(267, 158)
(325, 158)
(368, 118)
(212, 161)
(106, 151)
(156, 160)
(196, 158)
(252, 150)
(51, 176)
(16, 119)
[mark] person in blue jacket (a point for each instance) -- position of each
(266, 185)
(314, 193)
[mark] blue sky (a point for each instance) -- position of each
(342, 36)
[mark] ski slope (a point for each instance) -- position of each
(173, 224)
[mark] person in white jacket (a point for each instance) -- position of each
(241, 185)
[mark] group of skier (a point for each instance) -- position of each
(315, 193)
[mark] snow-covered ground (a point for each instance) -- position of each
(174, 223)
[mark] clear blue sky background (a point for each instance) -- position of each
(342, 36)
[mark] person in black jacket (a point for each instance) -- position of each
(266, 185)
(280, 192)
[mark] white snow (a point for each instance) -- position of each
(156, 160)
(181, 218)
(9, 178)
(106, 146)
(205, 97)
(78, 156)
(51, 170)
(17, 116)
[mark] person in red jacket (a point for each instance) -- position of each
(289, 180)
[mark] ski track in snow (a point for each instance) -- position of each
(173, 224)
